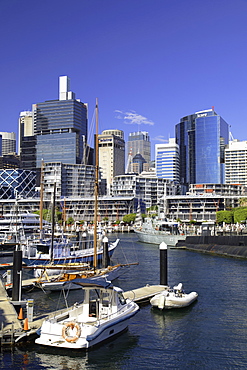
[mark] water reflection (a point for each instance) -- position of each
(110, 355)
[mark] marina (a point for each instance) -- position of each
(181, 339)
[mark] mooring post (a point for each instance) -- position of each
(84, 240)
(105, 258)
(163, 264)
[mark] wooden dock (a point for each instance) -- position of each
(143, 295)
(10, 326)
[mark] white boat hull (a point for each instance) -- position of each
(169, 300)
(89, 337)
(91, 322)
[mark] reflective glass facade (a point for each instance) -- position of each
(202, 138)
(211, 136)
(60, 126)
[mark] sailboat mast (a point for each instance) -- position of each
(53, 223)
(96, 185)
(41, 200)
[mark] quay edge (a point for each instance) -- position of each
(227, 246)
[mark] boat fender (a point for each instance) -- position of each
(71, 325)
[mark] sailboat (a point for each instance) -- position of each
(101, 252)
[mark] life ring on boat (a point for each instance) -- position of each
(71, 325)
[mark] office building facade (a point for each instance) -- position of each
(167, 160)
(72, 180)
(8, 143)
(202, 138)
(236, 162)
(60, 127)
(111, 155)
(138, 151)
(147, 189)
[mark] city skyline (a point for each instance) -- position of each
(149, 63)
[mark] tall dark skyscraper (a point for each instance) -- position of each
(202, 138)
(60, 127)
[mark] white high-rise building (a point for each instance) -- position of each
(8, 143)
(111, 155)
(167, 160)
(236, 162)
(64, 89)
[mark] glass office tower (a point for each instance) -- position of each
(202, 138)
(60, 127)
(167, 160)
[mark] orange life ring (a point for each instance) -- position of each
(71, 325)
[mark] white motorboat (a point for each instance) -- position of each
(103, 313)
(173, 298)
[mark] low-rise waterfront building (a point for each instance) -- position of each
(203, 201)
(72, 180)
(79, 208)
(147, 188)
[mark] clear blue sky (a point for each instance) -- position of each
(149, 62)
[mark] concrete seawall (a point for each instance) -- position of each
(229, 246)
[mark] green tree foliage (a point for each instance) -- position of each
(224, 216)
(240, 214)
(130, 218)
(70, 221)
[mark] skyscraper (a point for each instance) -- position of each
(8, 143)
(60, 127)
(167, 160)
(138, 150)
(25, 127)
(202, 138)
(111, 155)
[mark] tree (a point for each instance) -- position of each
(240, 215)
(130, 218)
(224, 216)
(70, 221)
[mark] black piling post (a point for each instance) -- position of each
(163, 264)
(105, 258)
(84, 240)
(17, 271)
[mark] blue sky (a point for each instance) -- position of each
(149, 62)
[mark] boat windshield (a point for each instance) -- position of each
(121, 298)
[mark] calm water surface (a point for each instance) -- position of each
(210, 334)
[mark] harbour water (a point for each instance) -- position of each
(210, 334)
